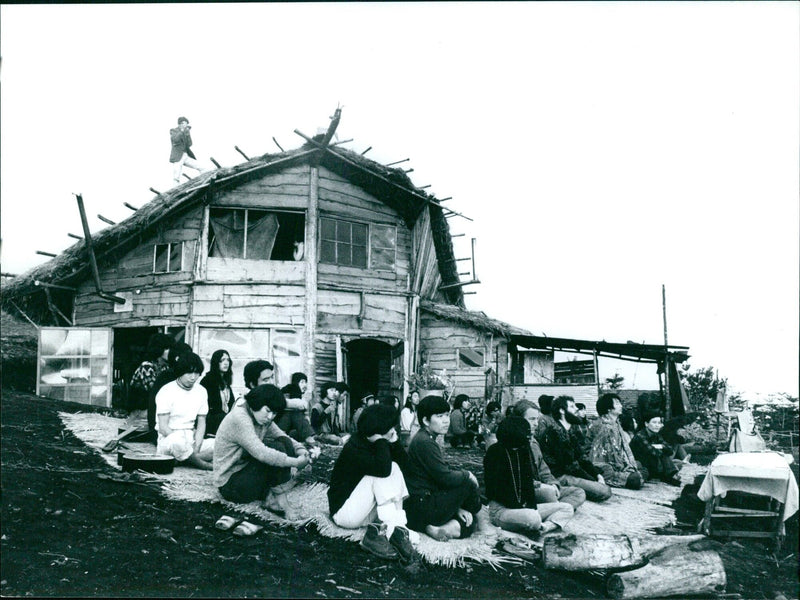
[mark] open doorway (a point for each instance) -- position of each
(130, 344)
(369, 369)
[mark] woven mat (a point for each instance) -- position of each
(629, 512)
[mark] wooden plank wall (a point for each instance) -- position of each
(325, 350)
(441, 339)
(383, 315)
(162, 295)
(285, 190)
(426, 278)
(248, 304)
(341, 199)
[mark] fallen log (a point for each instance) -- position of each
(605, 551)
(676, 571)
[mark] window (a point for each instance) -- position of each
(168, 258)
(357, 244)
(74, 365)
(470, 357)
(256, 234)
(279, 345)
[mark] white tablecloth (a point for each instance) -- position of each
(763, 473)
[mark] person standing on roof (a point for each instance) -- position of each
(182, 154)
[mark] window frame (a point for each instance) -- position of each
(247, 209)
(170, 246)
(368, 246)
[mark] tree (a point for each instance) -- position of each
(702, 386)
(615, 382)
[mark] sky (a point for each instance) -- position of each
(602, 150)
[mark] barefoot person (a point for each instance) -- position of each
(367, 487)
(253, 457)
(181, 409)
(443, 501)
(509, 474)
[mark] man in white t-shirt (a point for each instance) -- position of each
(181, 409)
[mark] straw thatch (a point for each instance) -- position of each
(476, 319)
(391, 186)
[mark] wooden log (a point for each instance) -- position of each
(676, 571)
(605, 551)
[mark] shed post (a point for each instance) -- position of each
(310, 308)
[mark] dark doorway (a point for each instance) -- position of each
(130, 344)
(369, 369)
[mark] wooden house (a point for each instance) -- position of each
(317, 259)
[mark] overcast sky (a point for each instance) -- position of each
(602, 149)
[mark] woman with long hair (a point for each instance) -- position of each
(218, 385)
(409, 425)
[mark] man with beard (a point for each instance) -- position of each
(561, 446)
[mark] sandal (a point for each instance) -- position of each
(226, 522)
(246, 529)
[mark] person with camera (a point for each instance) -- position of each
(182, 154)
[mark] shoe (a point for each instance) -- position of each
(675, 481)
(375, 542)
(401, 542)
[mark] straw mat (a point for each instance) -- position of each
(627, 511)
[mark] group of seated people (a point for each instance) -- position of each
(392, 476)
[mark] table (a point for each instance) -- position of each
(761, 473)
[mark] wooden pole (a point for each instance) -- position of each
(43, 253)
(216, 164)
(105, 220)
(668, 403)
(133, 208)
(282, 150)
(367, 150)
(92, 259)
(397, 162)
(155, 191)
(239, 150)
(310, 257)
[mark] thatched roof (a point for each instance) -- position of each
(476, 319)
(390, 185)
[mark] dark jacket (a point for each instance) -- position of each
(427, 470)
(358, 458)
(181, 142)
(216, 412)
(562, 452)
(642, 446)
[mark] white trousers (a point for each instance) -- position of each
(177, 167)
(380, 497)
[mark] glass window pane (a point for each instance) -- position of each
(343, 231)
(359, 257)
(383, 236)
(286, 355)
(99, 342)
(328, 229)
(52, 340)
(175, 257)
(162, 258)
(359, 234)
(78, 393)
(75, 342)
(52, 391)
(343, 254)
(327, 252)
(99, 371)
(383, 259)
(242, 345)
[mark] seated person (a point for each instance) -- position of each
(509, 474)
(181, 409)
(253, 457)
(489, 422)
(367, 487)
(294, 420)
(367, 400)
(163, 378)
(443, 501)
(582, 429)
(409, 425)
(326, 417)
(548, 488)
(629, 425)
(611, 454)
(562, 452)
(650, 448)
(458, 434)
(545, 419)
(218, 385)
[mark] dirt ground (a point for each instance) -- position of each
(67, 532)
